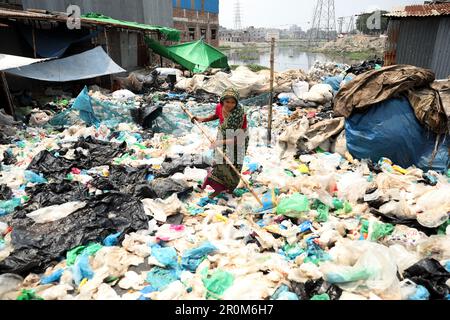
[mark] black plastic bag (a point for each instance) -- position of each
(5, 192)
(171, 166)
(91, 153)
(430, 274)
(51, 166)
(8, 158)
(36, 246)
(147, 115)
(311, 288)
(164, 188)
(45, 195)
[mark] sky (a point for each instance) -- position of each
(283, 13)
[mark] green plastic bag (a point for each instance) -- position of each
(293, 206)
(91, 249)
(443, 228)
(240, 192)
(338, 204)
(217, 283)
(323, 296)
(28, 295)
(379, 229)
(322, 209)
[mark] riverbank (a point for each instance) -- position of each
(355, 48)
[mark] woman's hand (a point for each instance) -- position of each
(213, 145)
(193, 119)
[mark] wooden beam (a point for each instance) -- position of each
(33, 33)
(272, 60)
(10, 103)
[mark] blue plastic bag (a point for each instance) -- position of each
(165, 255)
(81, 269)
(305, 226)
(112, 239)
(420, 294)
(84, 105)
(32, 177)
(447, 266)
(160, 278)
(205, 201)
(192, 258)
(283, 293)
(390, 129)
(146, 290)
(8, 206)
(54, 277)
(334, 82)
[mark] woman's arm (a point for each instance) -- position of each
(206, 119)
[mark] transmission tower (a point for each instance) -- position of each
(237, 15)
(351, 24)
(324, 21)
(340, 24)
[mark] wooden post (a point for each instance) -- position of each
(107, 51)
(272, 60)
(10, 103)
(33, 33)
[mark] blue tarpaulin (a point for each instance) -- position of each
(89, 64)
(390, 129)
(212, 6)
(198, 5)
(50, 44)
(185, 4)
(84, 105)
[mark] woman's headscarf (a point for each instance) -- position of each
(230, 93)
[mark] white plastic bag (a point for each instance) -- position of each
(363, 267)
(56, 212)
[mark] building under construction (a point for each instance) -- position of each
(197, 19)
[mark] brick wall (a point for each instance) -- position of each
(191, 23)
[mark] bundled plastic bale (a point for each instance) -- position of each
(390, 129)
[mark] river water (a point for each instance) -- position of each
(285, 58)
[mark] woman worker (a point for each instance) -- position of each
(232, 138)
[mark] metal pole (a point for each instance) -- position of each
(272, 60)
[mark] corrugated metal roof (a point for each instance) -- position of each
(61, 17)
(426, 10)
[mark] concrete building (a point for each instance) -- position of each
(273, 34)
(419, 35)
(156, 12)
(250, 34)
(196, 19)
(127, 49)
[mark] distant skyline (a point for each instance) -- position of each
(283, 13)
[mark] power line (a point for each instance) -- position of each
(324, 21)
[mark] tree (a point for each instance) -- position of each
(361, 23)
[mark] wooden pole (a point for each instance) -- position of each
(107, 51)
(33, 33)
(10, 103)
(227, 160)
(272, 60)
